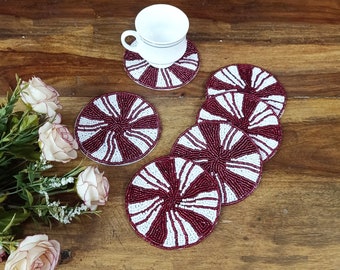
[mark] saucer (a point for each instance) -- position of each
(173, 203)
(225, 152)
(246, 78)
(248, 113)
(117, 128)
(177, 75)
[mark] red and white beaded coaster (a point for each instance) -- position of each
(173, 203)
(177, 75)
(250, 79)
(117, 128)
(250, 114)
(227, 153)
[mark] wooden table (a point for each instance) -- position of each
(292, 221)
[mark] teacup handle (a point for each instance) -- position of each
(127, 46)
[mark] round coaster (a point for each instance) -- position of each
(250, 79)
(227, 153)
(250, 114)
(177, 75)
(117, 128)
(173, 203)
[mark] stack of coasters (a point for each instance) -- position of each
(236, 132)
(227, 153)
(250, 114)
(246, 78)
(118, 128)
(177, 75)
(173, 203)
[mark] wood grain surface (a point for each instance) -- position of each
(292, 221)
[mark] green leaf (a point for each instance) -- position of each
(3, 120)
(29, 121)
(15, 119)
(26, 152)
(3, 197)
(2, 112)
(12, 218)
(29, 197)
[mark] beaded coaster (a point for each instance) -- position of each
(177, 75)
(227, 153)
(250, 114)
(250, 79)
(173, 203)
(118, 128)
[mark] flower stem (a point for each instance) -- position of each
(62, 191)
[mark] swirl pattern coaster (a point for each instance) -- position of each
(177, 75)
(173, 203)
(248, 113)
(250, 79)
(227, 153)
(117, 128)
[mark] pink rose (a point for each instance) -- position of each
(3, 254)
(93, 187)
(43, 98)
(57, 143)
(34, 252)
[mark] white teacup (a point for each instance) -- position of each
(160, 36)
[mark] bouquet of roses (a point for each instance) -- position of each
(31, 139)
